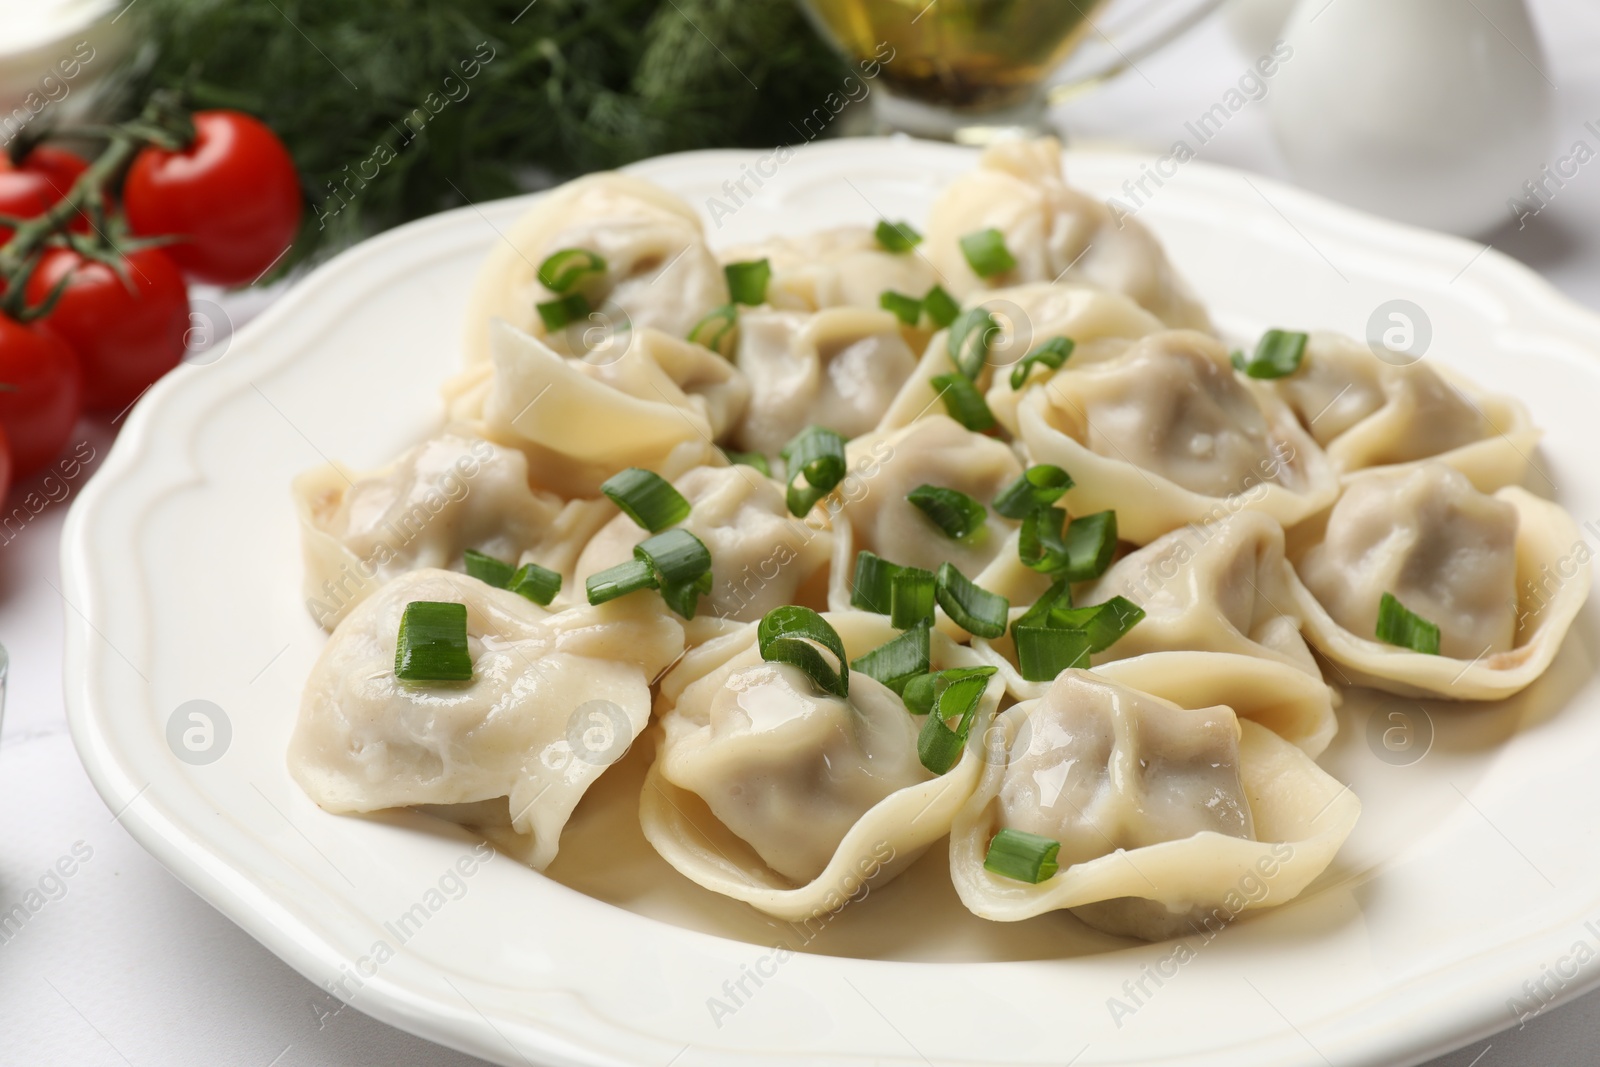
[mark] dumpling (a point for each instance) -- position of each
(1171, 815)
(1369, 413)
(1167, 434)
(580, 423)
(837, 368)
(659, 271)
(1054, 232)
(450, 493)
(1100, 325)
(841, 267)
(1501, 576)
(770, 791)
(877, 516)
(544, 687)
(761, 556)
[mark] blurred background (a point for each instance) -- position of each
(1476, 117)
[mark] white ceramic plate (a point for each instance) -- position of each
(1474, 869)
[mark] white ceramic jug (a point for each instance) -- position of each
(1434, 112)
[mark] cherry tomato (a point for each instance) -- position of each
(43, 178)
(232, 196)
(5, 464)
(43, 394)
(126, 333)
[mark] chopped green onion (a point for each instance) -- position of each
(897, 661)
(1043, 652)
(1058, 596)
(1103, 624)
(922, 692)
(715, 331)
(1040, 545)
(538, 584)
(561, 270)
(963, 401)
(432, 645)
(677, 556)
(955, 513)
(817, 453)
(785, 635)
(967, 352)
(620, 580)
(1277, 355)
(938, 746)
(1398, 625)
(941, 307)
(684, 597)
(487, 569)
(908, 309)
(986, 253)
(747, 282)
(1053, 353)
(1040, 486)
(973, 608)
(1021, 856)
(911, 597)
(562, 310)
(874, 575)
(897, 236)
(646, 498)
(1091, 541)
(749, 459)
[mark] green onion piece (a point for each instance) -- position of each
(908, 309)
(986, 253)
(869, 589)
(538, 584)
(747, 282)
(1277, 355)
(785, 635)
(897, 661)
(911, 597)
(620, 580)
(487, 569)
(562, 310)
(749, 459)
(1021, 856)
(1057, 597)
(1103, 624)
(677, 556)
(1398, 625)
(1040, 486)
(715, 331)
(922, 692)
(938, 746)
(561, 270)
(646, 498)
(1040, 544)
(817, 453)
(1091, 541)
(432, 645)
(1053, 353)
(973, 608)
(897, 236)
(967, 352)
(684, 597)
(941, 307)
(1043, 652)
(955, 513)
(963, 401)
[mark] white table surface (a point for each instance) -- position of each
(124, 965)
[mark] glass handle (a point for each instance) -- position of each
(1119, 59)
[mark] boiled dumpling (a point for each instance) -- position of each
(837, 368)
(1369, 413)
(450, 493)
(761, 556)
(659, 271)
(1054, 233)
(1171, 815)
(1501, 577)
(768, 790)
(841, 267)
(366, 740)
(1168, 434)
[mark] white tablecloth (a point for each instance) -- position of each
(123, 965)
